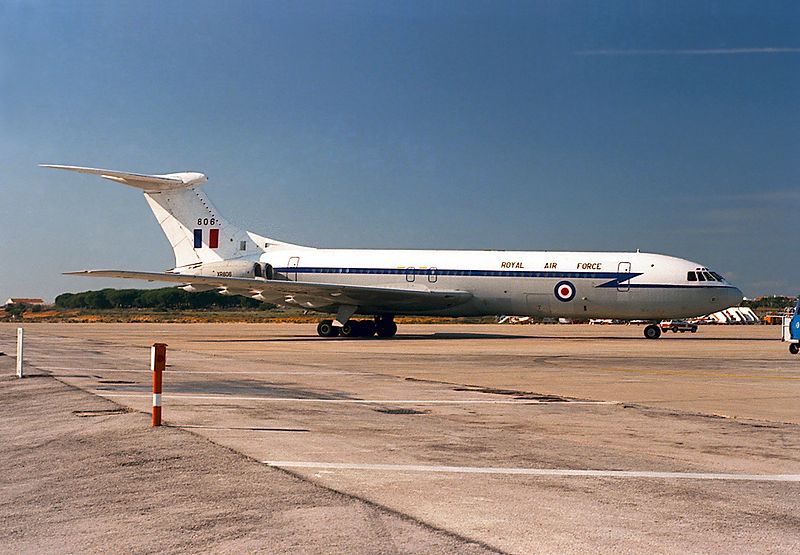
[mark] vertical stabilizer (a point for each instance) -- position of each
(195, 229)
(191, 223)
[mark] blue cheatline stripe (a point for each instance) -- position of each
(615, 278)
(198, 238)
(468, 273)
(676, 286)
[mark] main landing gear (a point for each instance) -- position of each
(652, 331)
(382, 326)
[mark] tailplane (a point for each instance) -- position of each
(193, 226)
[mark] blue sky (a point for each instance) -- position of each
(672, 127)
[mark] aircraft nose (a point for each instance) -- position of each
(734, 296)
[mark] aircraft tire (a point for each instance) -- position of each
(386, 328)
(652, 331)
(326, 329)
(368, 328)
(794, 348)
(350, 329)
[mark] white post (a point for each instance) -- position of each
(20, 336)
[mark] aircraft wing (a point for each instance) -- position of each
(306, 294)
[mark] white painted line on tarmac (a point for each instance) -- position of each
(104, 393)
(558, 472)
(168, 370)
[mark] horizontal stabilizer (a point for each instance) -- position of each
(151, 183)
(305, 294)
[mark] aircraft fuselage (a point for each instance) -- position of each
(559, 284)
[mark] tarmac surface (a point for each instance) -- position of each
(447, 438)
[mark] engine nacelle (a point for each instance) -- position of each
(227, 268)
(232, 268)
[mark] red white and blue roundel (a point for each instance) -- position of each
(564, 291)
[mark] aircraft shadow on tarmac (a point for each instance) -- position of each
(415, 337)
(454, 336)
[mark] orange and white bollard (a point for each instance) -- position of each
(158, 361)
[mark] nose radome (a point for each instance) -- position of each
(731, 297)
(726, 298)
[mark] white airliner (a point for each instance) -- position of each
(211, 253)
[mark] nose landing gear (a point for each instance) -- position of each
(652, 331)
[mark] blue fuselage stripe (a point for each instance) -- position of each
(616, 279)
(459, 273)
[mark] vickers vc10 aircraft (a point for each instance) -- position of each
(211, 253)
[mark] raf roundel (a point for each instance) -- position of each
(564, 291)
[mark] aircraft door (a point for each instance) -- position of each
(624, 285)
(293, 263)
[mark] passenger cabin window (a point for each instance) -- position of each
(691, 276)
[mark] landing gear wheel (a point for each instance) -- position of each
(350, 329)
(652, 331)
(368, 328)
(386, 328)
(794, 348)
(358, 328)
(326, 329)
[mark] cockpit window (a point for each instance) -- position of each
(719, 277)
(700, 276)
(709, 277)
(691, 276)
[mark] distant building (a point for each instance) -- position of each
(21, 300)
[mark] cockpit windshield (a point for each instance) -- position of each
(703, 274)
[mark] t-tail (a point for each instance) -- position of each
(193, 226)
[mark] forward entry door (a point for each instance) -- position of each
(624, 285)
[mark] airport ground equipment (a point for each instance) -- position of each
(213, 254)
(791, 329)
(676, 326)
(158, 361)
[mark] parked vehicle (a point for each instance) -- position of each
(678, 326)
